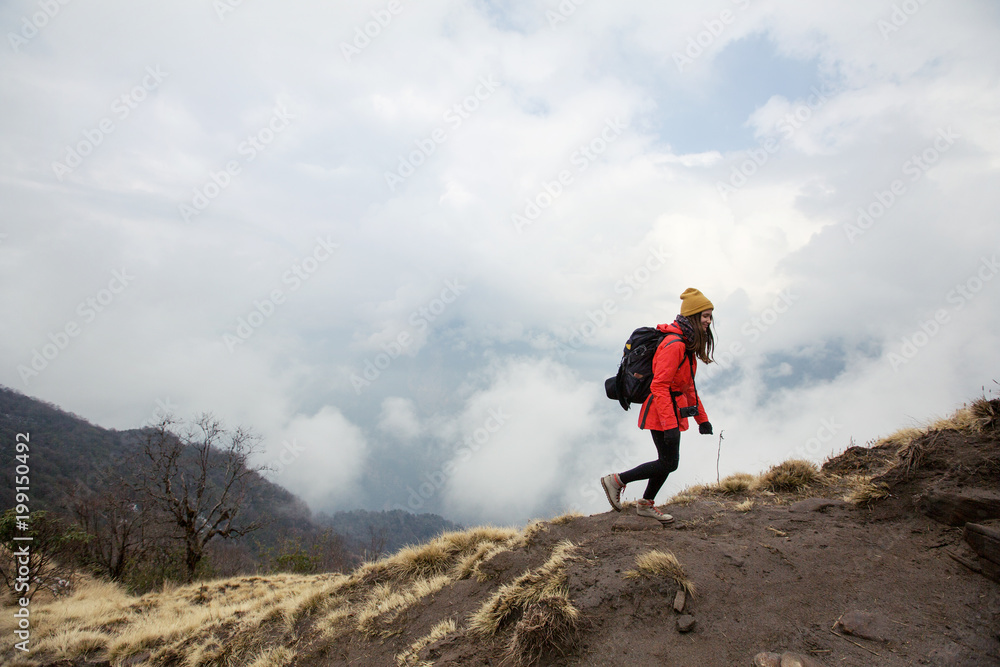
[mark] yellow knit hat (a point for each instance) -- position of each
(693, 301)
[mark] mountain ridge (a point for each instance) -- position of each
(847, 564)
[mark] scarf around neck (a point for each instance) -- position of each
(687, 329)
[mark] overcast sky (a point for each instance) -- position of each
(406, 241)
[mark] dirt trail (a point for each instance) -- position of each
(876, 581)
(775, 578)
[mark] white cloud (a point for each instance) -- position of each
(519, 435)
(320, 457)
(782, 231)
(399, 418)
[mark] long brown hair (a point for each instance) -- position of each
(701, 343)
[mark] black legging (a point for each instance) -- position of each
(668, 451)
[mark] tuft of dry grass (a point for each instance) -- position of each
(745, 506)
(901, 438)
(465, 540)
(737, 483)
(385, 602)
(663, 565)
(409, 657)
(867, 493)
(792, 475)
(510, 600)
(548, 625)
(421, 560)
(531, 531)
(684, 498)
(911, 456)
(985, 414)
(565, 518)
(273, 657)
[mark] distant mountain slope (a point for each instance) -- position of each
(385, 532)
(64, 449)
(67, 450)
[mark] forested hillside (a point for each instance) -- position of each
(91, 479)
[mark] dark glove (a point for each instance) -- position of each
(705, 428)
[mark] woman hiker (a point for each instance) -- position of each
(671, 391)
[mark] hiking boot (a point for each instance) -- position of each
(648, 508)
(613, 490)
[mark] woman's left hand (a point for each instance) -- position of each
(705, 428)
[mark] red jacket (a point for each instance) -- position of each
(673, 372)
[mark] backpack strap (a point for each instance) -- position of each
(673, 395)
(673, 399)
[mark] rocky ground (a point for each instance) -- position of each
(775, 571)
(873, 583)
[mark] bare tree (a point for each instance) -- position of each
(117, 522)
(198, 481)
(377, 539)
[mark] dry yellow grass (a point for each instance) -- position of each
(901, 438)
(867, 493)
(548, 625)
(985, 414)
(565, 518)
(408, 658)
(385, 601)
(792, 475)
(980, 416)
(420, 561)
(511, 599)
(737, 483)
(685, 497)
(273, 657)
(745, 506)
(231, 620)
(661, 564)
(252, 620)
(531, 531)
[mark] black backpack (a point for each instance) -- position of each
(635, 372)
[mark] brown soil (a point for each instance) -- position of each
(775, 578)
